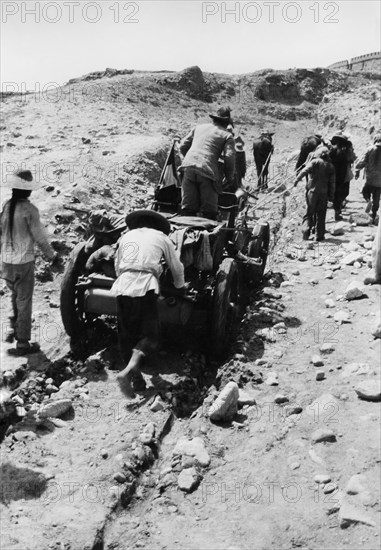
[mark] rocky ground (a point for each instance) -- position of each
(297, 465)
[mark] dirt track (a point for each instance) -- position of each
(58, 487)
(261, 467)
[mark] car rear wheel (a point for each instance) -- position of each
(258, 249)
(73, 317)
(224, 307)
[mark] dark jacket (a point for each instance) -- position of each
(240, 164)
(322, 177)
(202, 148)
(342, 158)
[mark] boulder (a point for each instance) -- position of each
(194, 448)
(356, 485)
(350, 514)
(342, 317)
(356, 369)
(354, 290)
(225, 406)
(158, 404)
(245, 398)
(352, 257)
(272, 379)
(369, 390)
(361, 219)
(188, 480)
(327, 348)
(317, 361)
(339, 228)
(279, 399)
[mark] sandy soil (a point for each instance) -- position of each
(59, 489)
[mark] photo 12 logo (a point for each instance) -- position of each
(69, 12)
(270, 12)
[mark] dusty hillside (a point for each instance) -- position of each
(95, 481)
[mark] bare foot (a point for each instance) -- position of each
(124, 381)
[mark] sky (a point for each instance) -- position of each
(45, 42)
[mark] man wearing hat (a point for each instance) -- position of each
(371, 162)
(201, 148)
(21, 228)
(138, 268)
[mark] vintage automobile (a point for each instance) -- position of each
(220, 257)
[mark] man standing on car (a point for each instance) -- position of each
(201, 148)
(138, 267)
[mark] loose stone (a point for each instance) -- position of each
(322, 479)
(354, 291)
(327, 348)
(279, 399)
(188, 480)
(349, 514)
(226, 405)
(120, 477)
(322, 435)
(355, 485)
(369, 390)
(317, 361)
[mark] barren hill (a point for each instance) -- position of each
(101, 139)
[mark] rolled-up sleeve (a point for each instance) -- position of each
(39, 233)
(174, 263)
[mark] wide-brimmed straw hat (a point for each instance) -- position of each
(160, 223)
(16, 181)
(223, 115)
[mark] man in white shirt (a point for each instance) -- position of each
(138, 268)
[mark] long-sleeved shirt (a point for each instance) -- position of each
(202, 148)
(27, 230)
(138, 262)
(322, 180)
(371, 161)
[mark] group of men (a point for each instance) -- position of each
(328, 171)
(141, 249)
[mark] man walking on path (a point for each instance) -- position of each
(201, 148)
(20, 229)
(138, 267)
(371, 162)
(320, 188)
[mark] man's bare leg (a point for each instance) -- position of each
(124, 377)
